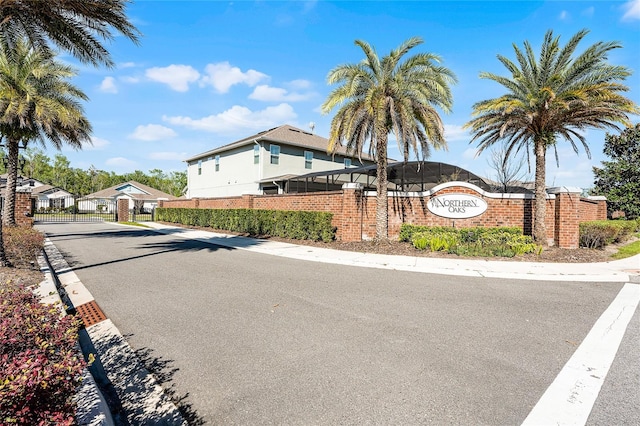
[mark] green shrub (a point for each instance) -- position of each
(40, 366)
(300, 225)
(501, 241)
(599, 233)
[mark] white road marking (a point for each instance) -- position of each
(570, 398)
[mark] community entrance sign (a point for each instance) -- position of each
(457, 206)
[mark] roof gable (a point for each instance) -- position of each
(284, 134)
(129, 188)
(133, 189)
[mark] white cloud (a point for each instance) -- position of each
(470, 153)
(222, 76)
(130, 79)
(572, 172)
(588, 12)
(177, 77)
(152, 132)
(97, 144)
(309, 5)
(454, 132)
(121, 163)
(299, 84)
(632, 10)
(168, 156)
(108, 85)
(127, 65)
(238, 118)
(564, 15)
(267, 93)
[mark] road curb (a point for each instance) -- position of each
(128, 392)
(92, 408)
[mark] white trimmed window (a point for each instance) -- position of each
(347, 163)
(256, 154)
(308, 159)
(274, 150)
(199, 167)
(217, 163)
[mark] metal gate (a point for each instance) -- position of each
(74, 209)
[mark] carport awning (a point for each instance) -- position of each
(277, 178)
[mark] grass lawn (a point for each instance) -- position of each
(628, 250)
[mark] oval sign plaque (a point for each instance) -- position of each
(457, 206)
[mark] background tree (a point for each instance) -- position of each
(37, 102)
(82, 182)
(509, 171)
(377, 97)
(37, 165)
(76, 26)
(554, 96)
(619, 179)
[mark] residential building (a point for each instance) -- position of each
(260, 163)
(45, 196)
(142, 198)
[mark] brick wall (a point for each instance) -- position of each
(593, 208)
(354, 211)
(24, 209)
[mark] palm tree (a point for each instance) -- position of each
(75, 26)
(554, 96)
(379, 96)
(37, 103)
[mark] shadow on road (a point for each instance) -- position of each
(150, 242)
(157, 248)
(163, 371)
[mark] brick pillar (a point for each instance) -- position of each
(602, 206)
(123, 210)
(350, 228)
(160, 203)
(567, 216)
(24, 206)
(247, 201)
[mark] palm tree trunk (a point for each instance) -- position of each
(540, 211)
(12, 178)
(382, 212)
(4, 262)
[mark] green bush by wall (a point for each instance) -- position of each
(299, 225)
(599, 233)
(479, 241)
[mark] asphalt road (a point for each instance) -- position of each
(245, 338)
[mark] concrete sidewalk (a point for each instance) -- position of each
(625, 270)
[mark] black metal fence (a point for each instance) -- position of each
(74, 209)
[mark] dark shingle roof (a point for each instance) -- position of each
(285, 134)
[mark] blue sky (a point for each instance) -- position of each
(207, 73)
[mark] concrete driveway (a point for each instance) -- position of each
(247, 338)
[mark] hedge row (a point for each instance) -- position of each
(466, 234)
(479, 241)
(299, 225)
(599, 233)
